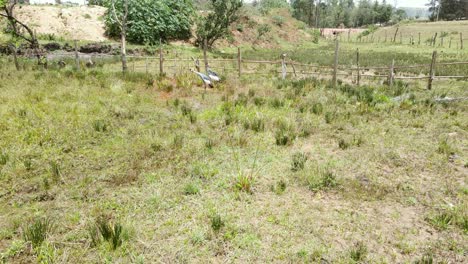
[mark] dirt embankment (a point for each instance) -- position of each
(81, 22)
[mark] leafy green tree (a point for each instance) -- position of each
(267, 5)
(152, 20)
(216, 24)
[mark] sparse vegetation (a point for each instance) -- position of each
(129, 163)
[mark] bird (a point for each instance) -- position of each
(206, 80)
(213, 75)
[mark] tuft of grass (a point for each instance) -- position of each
(358, 253)
(257, 124)
(317, 108)
(320, 179)
(217, 222)
(279, 188)
(104, 230)
(191, 189)
(55, 171)
(445, 148)
(427, 258)
(343, 144)
(298, 161)
(37, 231)
(100, 125)
(4, 157)
(285, 133)
(244, 183)
(329, 117)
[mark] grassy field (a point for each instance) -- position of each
(448, 29)
(100, 168)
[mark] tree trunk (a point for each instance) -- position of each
(124, 51)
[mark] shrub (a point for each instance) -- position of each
(317, 108)
(37, 231)
(263, 30)
(298, 161)
(152, 20)
(278, 20)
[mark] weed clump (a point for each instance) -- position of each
(298, 161)
(358, 253)
(279, 188)
(37, 231)
(55, 171)
(256, 124)
(285, 133)
(191, 189)
(100, 125)
(319, 178)
(217, 222)
(244, 183)
(104, 230)
(4, 157)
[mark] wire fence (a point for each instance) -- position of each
(166, 63)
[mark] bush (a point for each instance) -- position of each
(278, 20)
(152, 20)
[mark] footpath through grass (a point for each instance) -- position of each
(96, 167)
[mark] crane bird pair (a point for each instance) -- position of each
(208, 80)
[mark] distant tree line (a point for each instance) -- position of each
(347, 13)
(448, 9)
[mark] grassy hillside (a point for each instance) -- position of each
(111, 169)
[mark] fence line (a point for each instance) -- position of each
(241, 66)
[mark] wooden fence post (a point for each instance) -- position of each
(396, 32)
(401, 38)
(385, 36)
(205, 58)
(239, 61)
(197, 65)
(432, 70)
(161, 59)
(77, 56)
(442, 42)
(419, 38)
(15, 57)
(283, 66)
(391, 76)
(461, 40)
(450, 43)
(146, 65)
(434, 40)
(358, 70)
(335, 68)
